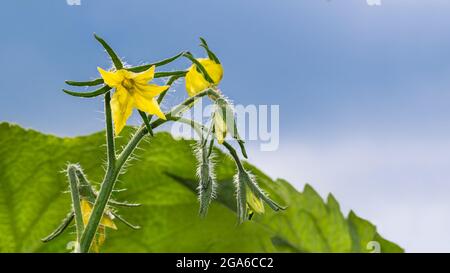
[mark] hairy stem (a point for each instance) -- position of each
(235, 156)
(106, 186)
(109, 132)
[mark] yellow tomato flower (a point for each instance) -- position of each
(132, 91)
(195, 82)
(106, 221)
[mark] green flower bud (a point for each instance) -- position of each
(205, 172)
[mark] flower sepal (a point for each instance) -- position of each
(250, 196)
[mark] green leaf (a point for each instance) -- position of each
(33, 202)
(364, 233)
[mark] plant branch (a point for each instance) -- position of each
(106, 186)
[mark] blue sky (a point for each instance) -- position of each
(364, 91)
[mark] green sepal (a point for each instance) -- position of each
(115, 59)
(257, 191)
(144, 67)
(121, 219)
(91, 94)
(146, 121)
(211, 147)
(113, 202)
(241, 198)
(164, 74)
(174, 78)
(205, 172)
(86, 83)
(59, 230)
(225, 111)
(242, 146)
(85, 188)
(199, 66)
(211, 54)
(206, 188)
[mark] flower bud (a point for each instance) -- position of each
(196, 82)
(223, 120)
(249, 195)
(205, 172)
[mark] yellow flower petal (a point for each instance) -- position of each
(195, 82)
(101, 235)
(145, 76)
(112, 79)
(108, 222)
(132, 90)
(150, 90)
(86, 210)
(148, 104)
(254, 202)
(121, 106)
(215, 70)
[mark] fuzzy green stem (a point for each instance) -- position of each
(109, 132)
(106, 186)
(235, 156)
(60, 229)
